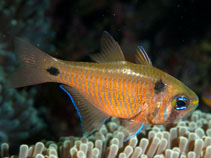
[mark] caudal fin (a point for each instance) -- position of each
(32, 65)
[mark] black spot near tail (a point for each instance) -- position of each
(53, 71)
(159, 86)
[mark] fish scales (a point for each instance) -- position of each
(150, 93)
(106, 79)
(102, 91)
(97, 87)
(125, 96)
(109, 93)
(136, 87)
(116, 86)
(112, 91)
(152, 104)
(91, 85)
(121, 96)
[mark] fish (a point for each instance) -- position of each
(206, 96)
(135, 92)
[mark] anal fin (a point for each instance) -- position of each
(91, 117)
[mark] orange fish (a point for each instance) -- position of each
(138, 93)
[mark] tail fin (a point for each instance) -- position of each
(32, 65)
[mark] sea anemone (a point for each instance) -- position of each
(190, 138)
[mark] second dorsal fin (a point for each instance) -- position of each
(142, 57)
(110, 50)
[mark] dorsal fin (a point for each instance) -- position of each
(110, 50)
(142, 57)
(91, 117)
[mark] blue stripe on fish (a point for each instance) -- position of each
(79, 114)
(134, 134)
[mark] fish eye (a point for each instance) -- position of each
(180, 102)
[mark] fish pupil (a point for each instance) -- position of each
(181, 103)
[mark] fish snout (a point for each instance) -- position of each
(194, 103)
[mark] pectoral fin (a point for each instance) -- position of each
(133, 127)
(91, 117)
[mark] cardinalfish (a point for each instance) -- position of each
(138, 93)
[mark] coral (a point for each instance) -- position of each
(189, 138)
(19, 119)
(26, 19)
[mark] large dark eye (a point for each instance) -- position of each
(180, 102)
